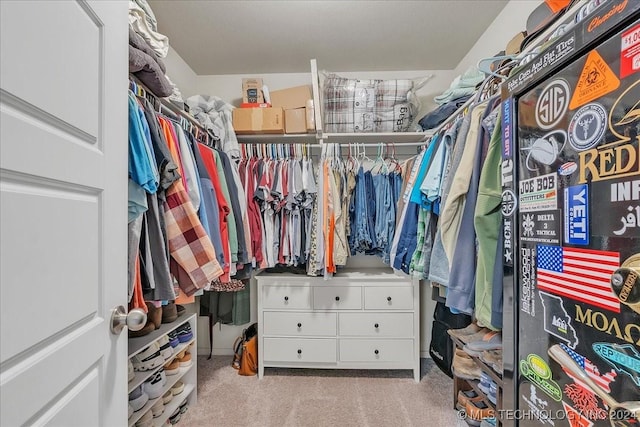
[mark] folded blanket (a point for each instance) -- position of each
(462, 85)
(138, 21)
(138, 42)
(149, 72)
(215, 114)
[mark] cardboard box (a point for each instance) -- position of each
(258, 120)
(294, 97)
(295, 120)
(252, 91)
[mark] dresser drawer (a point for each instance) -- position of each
(376, 324)
(304, 324)
(321, 350)
(337, 297)
(286, 297)
(354, 350)
(388, 298)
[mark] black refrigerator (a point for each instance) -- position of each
(571, 223)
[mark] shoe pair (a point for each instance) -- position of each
(175, 417)
(153, 386)
(476, 412)
(465, 396)
(148, 359)
(464, 366)
(154, 320)
(137, 399)
(166, 350)
(146, 420)
(488, 387)
(493, 358)
(171, 312)
(184, 332)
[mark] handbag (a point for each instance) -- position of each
(245, 357)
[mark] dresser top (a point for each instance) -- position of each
(376, 274)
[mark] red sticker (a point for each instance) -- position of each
(630, 52)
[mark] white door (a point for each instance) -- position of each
(63, 189)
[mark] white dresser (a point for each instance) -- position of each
(359, 319)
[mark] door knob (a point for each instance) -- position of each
(134, 320)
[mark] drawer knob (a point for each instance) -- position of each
(376, 351)
(389, 299)
(286, 298)
(337, 298)
(299, 351)
(299, 325)
(376, 326)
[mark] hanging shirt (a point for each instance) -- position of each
(141, 166)
(189, 168)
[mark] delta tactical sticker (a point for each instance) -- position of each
(552, 104)
(622, 217)
(587, 126)
(541, 227)
(624, 358)
(539, 193)
(576, 215)
(582, 275)
(596, 80)
(630, 52)
(543, 151)
(557, 321)
(536, 370)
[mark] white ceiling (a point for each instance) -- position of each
(261, 36)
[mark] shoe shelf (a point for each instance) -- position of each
(171, 381)
(465, 384)
(144, 375)
(188, 374)
(137, 344)
(170, 408)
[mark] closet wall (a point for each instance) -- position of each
(228, 87)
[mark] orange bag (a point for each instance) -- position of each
(245, 358)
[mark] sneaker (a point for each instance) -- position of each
(173, 339)
(485, 383)
(183, 407)
(138, 398)
(476, 412)
(465, 396)
(146, 420)
(185, 361)
(184, 333)
(167, 397)
(493, 393)
(157, 409)
(153, 386)
(493, 358)
(177, 388)
(175, 417)
(464, 367)
(473, 328)
(165, 347)
(173, 367)
(130, 372)
(492, 340)
(130, 410)
(148, 359)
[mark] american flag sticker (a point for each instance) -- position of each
(579, 274)
(591, 370)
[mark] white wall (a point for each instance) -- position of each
(181, 74)
(507, 24)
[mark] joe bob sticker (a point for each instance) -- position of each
(539, 193)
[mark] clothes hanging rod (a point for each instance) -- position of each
(167, 105)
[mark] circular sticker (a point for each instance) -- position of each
(509, 203)
(568, 168)
(552, 104)
(587, 126)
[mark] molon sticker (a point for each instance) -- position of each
(587, 126)
(552, 104)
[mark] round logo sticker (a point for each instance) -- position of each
(587, 126)
(568, 168)
(552, 104)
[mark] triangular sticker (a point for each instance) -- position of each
(596, 80)
(575, 418)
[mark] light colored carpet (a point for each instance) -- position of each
(317, 397)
